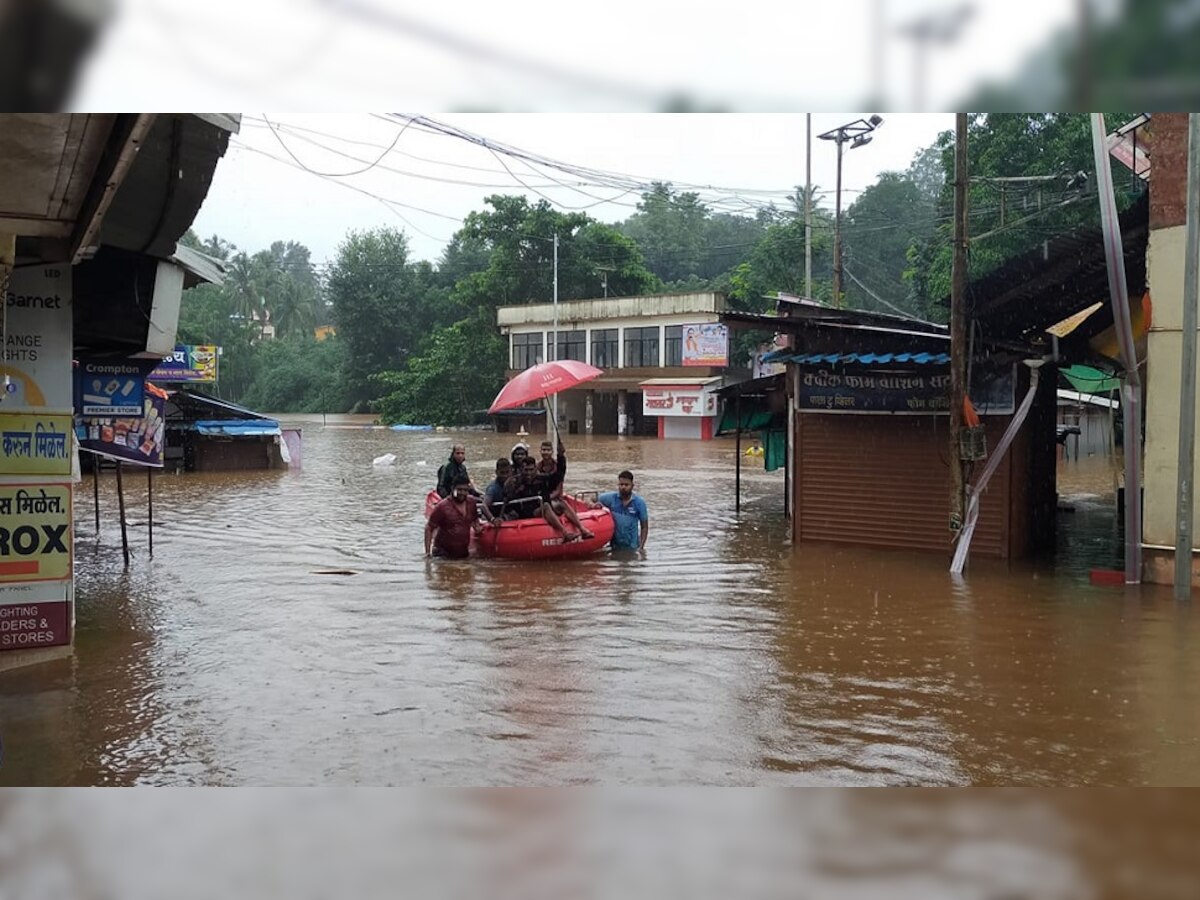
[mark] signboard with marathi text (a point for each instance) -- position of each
(705, 345)
(192, 363)
(681, 400)
(35, 444)
(35, 532)
(900, 392)
(37, 340)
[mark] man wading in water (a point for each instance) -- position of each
(448, 531)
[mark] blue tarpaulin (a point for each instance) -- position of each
(238, 427)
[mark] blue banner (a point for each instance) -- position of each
(111, 388)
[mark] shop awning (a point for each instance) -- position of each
(858, 359)
(238, 427)
(1089, 380)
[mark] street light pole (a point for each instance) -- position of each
(837, 234)
(858, 133)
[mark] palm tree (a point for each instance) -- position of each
(217, 247)
(293, 308)
(242, 286)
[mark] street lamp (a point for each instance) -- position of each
(858, 134)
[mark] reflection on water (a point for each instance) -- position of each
(723, 656)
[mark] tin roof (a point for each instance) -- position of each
(858, 359)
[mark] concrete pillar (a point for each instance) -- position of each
(1164, 274)
(587, 411)
(622, 417)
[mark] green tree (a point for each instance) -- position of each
(206, 317)
(519, 239)
(1052, 154)
(292, 308)
(669, 228)
(439, 387)
(297, 374)
(241, 284)
(377, 306)
(878, 230)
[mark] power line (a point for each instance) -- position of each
(365, 168)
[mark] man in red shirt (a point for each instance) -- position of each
(448, 531)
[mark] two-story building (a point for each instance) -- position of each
(663, 358)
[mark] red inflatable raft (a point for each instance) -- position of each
(535, 539)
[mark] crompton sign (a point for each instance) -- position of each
(111, 388)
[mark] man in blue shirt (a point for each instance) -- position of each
(629, 513)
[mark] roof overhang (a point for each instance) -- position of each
(198, 267)
(680, 382)
(72, 182)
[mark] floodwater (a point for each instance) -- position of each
(724, 656)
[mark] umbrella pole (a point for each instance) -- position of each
(553, 421)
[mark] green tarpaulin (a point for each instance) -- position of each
(775, 445)
(1088, 380)
(752, 420)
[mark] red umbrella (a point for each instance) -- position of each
(543, 380)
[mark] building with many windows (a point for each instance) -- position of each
(663, 357)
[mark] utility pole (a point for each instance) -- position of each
(808, 206)
(604, 270)
(556, 327)
(958, 322)
(837, 235)
(1186, 466)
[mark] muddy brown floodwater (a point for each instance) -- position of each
(724, 656)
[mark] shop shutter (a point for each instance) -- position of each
(883, 481)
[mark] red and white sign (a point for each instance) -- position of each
(28, 627)
(681, 400)
(34, 615)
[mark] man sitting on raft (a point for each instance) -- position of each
(525, 498)
(554, 471)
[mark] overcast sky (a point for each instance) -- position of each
(265, 188)
(546, 55)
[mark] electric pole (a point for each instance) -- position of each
(958, 322)
(808, 207)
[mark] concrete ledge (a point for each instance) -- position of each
(19, 659)
(1158, 566)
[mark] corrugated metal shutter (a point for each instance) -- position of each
(883, 481)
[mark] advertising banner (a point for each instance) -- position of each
(891, 392)
(35, 532)
(193, 363)
(110, 388)
(35, 444)
(37, 341)
(137, 440)
(683, 400)
(34, 615)
(705, 345)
